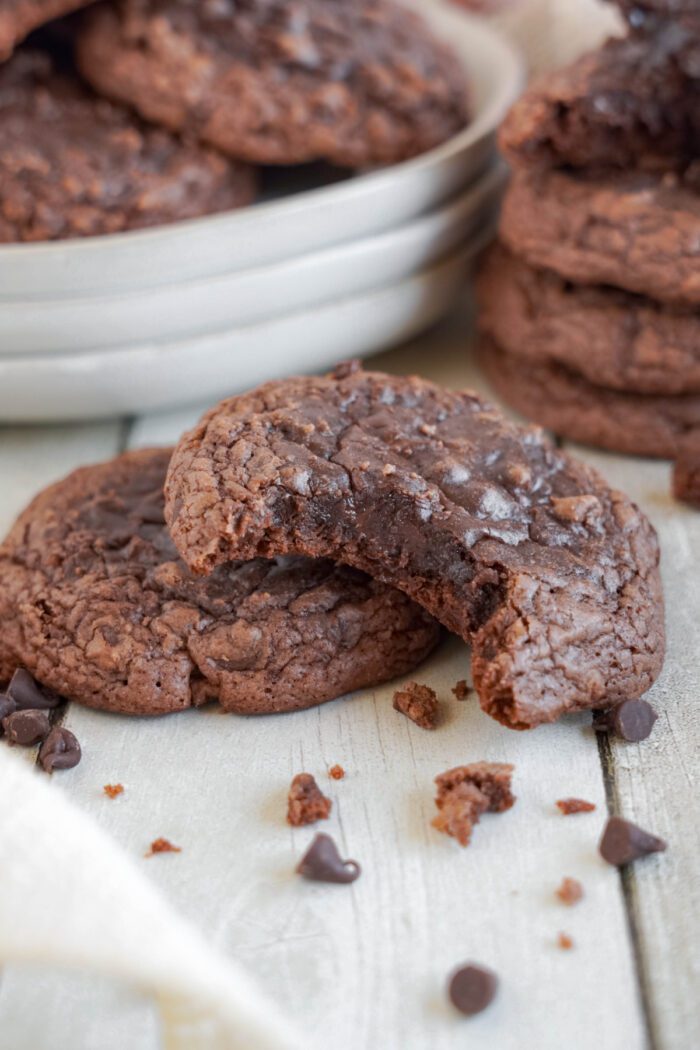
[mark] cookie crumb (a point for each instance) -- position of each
(306, 803)
(461, 689)
(162, 846)
(113, 790)
(419, 703)
(570, 892)
(465, 792)
(686, 472)
(574, 805)
(336, 772)
(565, 942)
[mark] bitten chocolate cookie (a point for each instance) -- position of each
(282, 81)
(96, 604)
(634, 103)
(571, 406)
(637, 231)
(519, 549)
(74, 165)
(19, 17)
(614, 339)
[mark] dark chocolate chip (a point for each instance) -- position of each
(26, 728)
(632, 720)
(60, 750)
(472, 988)
(7, 707)
(323, 863)
(623, 842)
(28, 695)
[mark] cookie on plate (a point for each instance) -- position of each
(638, 231)
(575, 408)
(18, 18)
(359, 83)
(96, 604)
(612, 338)
(74, 165)
(634, 103)
(518, 548)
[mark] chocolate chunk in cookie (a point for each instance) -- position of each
(515, 546)
(18, 18)
(282, 82)
(95, 602)
(614, 339)
(639, 232)
(571, 406)
(634, 103)
(74, 165)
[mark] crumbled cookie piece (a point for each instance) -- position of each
(570, 892)
(113, 790)
(574, 805)
(419, 703)
(565, 942)
(462, 690)
(306, 803)
(336, 772)
(464, 793)
(686, 471)
(162, 846)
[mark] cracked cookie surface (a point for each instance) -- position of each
(511, 544)
(612, 338)
(96, 604)
(281, 82)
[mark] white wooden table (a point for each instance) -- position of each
(364, 967)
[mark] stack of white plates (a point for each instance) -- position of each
(146, 320)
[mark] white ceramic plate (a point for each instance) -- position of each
(179, 311)
(270, 233)
(151, 377)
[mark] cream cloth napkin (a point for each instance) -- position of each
(113, 922)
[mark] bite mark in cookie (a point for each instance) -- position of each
(357, 84)
(95, 602)
(513, 545)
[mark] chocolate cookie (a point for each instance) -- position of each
(519, 549)
(18, 18)
(637, 231)
(634, 103)
(613, 339)
(573, 407)
(281, 81)
(95, 602)
(74, 165)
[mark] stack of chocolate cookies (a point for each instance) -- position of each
(590, 302)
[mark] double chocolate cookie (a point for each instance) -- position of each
(19, 17)
(95, 602)
(609, 337)
(74, 165)
(358, 83)
(511, 544)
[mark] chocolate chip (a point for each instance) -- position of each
(323, 863)
(28, 695)
(60, 750)
(472, 988)
(7, 707)
(26, 728)
(623, 842)
(632, 720)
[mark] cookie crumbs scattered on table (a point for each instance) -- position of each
(568, 806)
(419, 703)
(570, 891)
(461, 689)
(113, 790)
(565, 942)
(466, 792)
(336, 772)
(162, 846)
(306, 803)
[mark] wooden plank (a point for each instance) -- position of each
(656, 782)
(365, 966)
